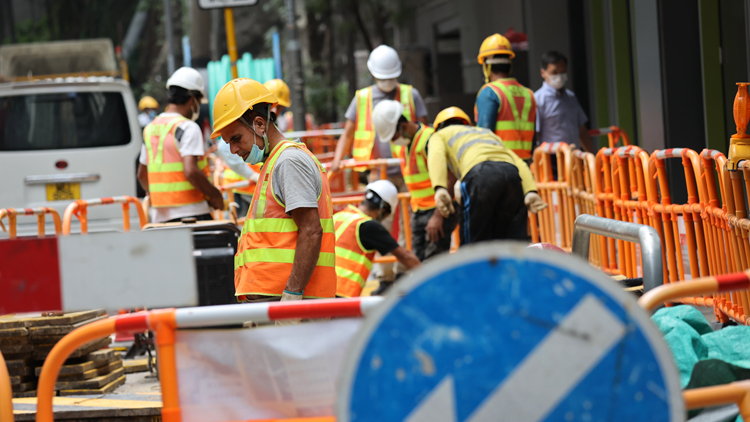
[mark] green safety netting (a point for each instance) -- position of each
(220, 72)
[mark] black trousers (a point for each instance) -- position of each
(492, 201)
(419, 244)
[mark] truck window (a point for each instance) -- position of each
(68, 120)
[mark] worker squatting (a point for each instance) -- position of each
(293, 246)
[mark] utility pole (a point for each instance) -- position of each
(296, 79)
(170, 36)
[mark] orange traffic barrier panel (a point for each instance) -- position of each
(6, 393)
(603, 185)
(584, 195)
(556, 221)
(79, 208)
(734, 393)
(614, 135)
(40, 214)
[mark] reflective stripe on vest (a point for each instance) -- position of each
(353, 261)
(414, 170)
(167, 184)
(231, 176)
(516, 128)
(364, 134)
(269, 238)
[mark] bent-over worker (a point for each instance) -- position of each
(173, 168)
(430, 232)
(495, 182)
(359, 234)
(287, 247)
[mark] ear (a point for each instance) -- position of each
(542, 72)
(260, 123)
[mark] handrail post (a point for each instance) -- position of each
(646, 236)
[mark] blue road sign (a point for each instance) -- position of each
(500, 332)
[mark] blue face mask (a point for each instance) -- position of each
(256, 154)
(152, 114)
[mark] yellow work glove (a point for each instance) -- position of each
(534, 202)
(287, 297)
(457, 192)
(444, 202)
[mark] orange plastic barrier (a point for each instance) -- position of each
(40, 214)
(555, 223)
(584, 196)
(79, 208)
(614, 135)
(6, 393)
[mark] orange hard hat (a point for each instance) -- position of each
(494, 44)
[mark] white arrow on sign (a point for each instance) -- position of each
(545, 377)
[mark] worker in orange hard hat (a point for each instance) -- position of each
(287, 246)
(503, 105)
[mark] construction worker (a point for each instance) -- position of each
(173, 166)
(280, 89)
(431, 233)
(236, 170)
(503, 105)
(495, 183)
(147, 105)
(359, 234)
(287, 246)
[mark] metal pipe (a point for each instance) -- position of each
(646, 236)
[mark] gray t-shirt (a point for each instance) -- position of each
(296, 180)
(384, 148)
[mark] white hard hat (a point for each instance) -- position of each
(385, 190)
(384, 63)
(188, 78)
(385, 117)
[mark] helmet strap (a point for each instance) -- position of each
(486, 68)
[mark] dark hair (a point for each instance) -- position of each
(258, 110)
(372, 202)
(553, 57)
(501, 67)
(179, 95)
(402, 119)
(451, 122)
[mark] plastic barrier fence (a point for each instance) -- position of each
(614, 135)
(556, 221)
(40, 214)
(79, 208)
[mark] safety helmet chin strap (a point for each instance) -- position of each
(252, 127)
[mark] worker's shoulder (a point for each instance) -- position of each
(296, 156)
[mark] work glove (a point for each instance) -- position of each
(534, 202)
(444, 202)
(457, 191)
(287, 297)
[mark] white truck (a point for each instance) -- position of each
(68, 130)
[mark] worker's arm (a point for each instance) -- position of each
(437, 163)
(343, 146)
(235, 162)
(422, 120)
(307, 251)
(198, 179)
(586, 142)
(488, 105)
(143, 176)
(406, 257)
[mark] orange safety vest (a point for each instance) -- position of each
(353, 261)
(516, 120)
(364, 134)
(231, 176)
(167, 184)
(414, 169)
(269, 238)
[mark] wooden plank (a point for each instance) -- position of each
(61, 329)
(16, 356)
(20, 379)
(14, 332)
(36, 320)
(93, 383)
(44, 339)
(16, 348)
(9, 341)
(30, 393)
(41, 353)
(26, 386)
(8, 322)
(24, 370)
(103, 390)
(107, 355)
(137, 365)
(17, 363)
(92, 373)
(91, 361)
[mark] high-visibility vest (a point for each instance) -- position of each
(516, 119)
(269, 237)
(353, 261)
(231, 176)
(414, 169)
(167, 184)
(364, 134)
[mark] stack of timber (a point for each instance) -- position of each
(27, 339)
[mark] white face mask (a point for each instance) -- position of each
(386, 85)
(196, 111)
(557, 81)
(401, 141)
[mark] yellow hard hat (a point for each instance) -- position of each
(235, 98)
(494, 44)
(281, 90)
(147, 102)
(451, 113)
